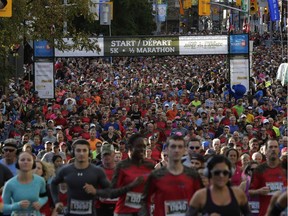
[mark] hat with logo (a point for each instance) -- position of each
(107, 149)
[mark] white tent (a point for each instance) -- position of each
(282, 74)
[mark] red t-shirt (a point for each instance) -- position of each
(109, 173)
(264, 176)
(171, 193)
(126, 172)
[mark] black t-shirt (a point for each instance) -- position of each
(5, 174)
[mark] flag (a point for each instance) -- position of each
(162, 12)
(274, 10)
(181, 10)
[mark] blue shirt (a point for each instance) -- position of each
(11, 167)
(14, 192)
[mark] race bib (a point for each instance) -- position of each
(109, 200)
(20, 213)
(274, 187)
(176, 207)
(254, 206)
(133, 200)
(81, 207)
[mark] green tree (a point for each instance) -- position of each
(130, 17)
(42, 20)
(134, 17)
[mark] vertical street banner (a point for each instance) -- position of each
(162, 12)
(94, 8)
(44, 79)
(105, 13)
(239, 71)
(274, 10)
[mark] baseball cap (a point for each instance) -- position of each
(107, 149)
(205, 144)
(58, 127)
(243, 116)
(48, 142)
(50, 121)
(250, 107)
(92, 125)
(265, 121)
(10, 143)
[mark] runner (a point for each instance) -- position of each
(25, 193)
(172, 186)
(82, 179)
(126, 171)
(268, 177)
(219, 198)
(106, 206)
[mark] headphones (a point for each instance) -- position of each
(80, 142)
(213, 160)
(17, 162)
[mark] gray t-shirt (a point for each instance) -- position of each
(47, 157)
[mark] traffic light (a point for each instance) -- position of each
(5, 8)
(204, 8)
(266, 10)
(253, 7)
(187, 4)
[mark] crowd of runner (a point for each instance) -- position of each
(119, 108)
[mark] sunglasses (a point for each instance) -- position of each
(165, 155)
(219, 172)
(8, 150)
(252, 169)
(194, 147)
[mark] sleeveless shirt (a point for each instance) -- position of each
(226, 210)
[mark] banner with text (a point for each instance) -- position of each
(203, 45)
(274, 10)
(43, 49)
(141, 46)
(44, 79)
(150, 46)
(239, 44)
(239, 71)
(79, 51)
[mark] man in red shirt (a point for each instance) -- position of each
(171, 187)
(269, 177)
